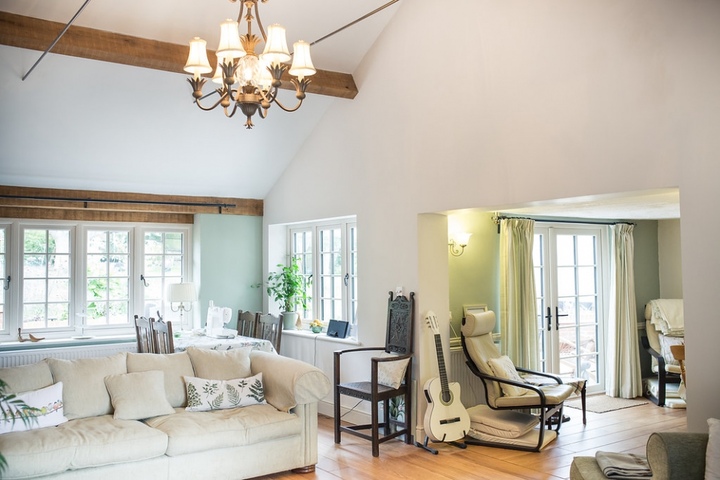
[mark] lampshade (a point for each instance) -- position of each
(276, 49)
(462, 238)
(302, 65)
(230, 46)
(197, 62)
(181, 292)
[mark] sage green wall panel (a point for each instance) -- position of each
(228, 261)
(474, 276)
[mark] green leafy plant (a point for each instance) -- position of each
(13, 408)
(288, 286)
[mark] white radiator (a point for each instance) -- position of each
(472, 391)
(27, 357)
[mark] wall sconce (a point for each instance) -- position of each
(458, 242)
(184, 294)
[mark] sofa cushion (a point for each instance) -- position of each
(84, 392)
(27, 377)
(138, 395)
(220, 365)
(49, 403)
(204, 395)
(190, 432)
(501, 423)
(81, 443)
(174, 365)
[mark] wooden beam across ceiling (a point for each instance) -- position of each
(36, 34)
(62, 204)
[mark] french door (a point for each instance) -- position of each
(568, 282)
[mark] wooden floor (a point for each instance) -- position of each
(624, 430)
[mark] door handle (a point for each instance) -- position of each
(548, 317)
(557, 315)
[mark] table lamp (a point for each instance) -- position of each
(182, 294)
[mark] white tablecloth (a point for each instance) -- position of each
(190, 339)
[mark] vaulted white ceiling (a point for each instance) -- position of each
(77, 123)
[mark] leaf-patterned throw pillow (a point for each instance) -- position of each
(204, 395)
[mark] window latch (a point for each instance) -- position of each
(346, 279)
(142, 279)
(6, 283)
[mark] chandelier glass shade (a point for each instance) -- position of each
(249, 81)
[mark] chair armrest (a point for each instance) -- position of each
(557, 379)
(654, 353)
(358, 349)
(677, 455)
(289, 382)
(527, 386)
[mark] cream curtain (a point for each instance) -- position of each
(623, 360)
(518, 316)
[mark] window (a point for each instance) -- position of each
(86, 276)
(327, 253)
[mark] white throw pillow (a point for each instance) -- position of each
(48, 400)
(222, 365)
(503, 367)
(712, 454)
(204, 395)
(137, 396)
(391, 374)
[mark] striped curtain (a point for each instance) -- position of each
(518, 318)
(623, 377)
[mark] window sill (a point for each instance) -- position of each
(65, 342)
(321, 337)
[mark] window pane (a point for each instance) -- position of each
(34, 266)
(58, 266)
(58, 290)
(34, 291)
(35, 241)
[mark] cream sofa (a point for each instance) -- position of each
(99, 441)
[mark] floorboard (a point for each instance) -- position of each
(624, 430)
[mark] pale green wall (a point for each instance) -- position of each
(474, 276)
(227, 258)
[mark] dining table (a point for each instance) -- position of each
(227, 341)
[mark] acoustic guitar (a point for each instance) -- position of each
(446, 419)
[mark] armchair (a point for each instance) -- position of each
(503, 392)
(664, 328)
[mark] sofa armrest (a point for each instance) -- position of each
(289, 382)
(677, 455)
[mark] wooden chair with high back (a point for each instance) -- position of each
(143, 332)
(163, 336)
(246, 323)
(269, 327)
(398, 348)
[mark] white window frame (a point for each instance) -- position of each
(348, 294)
(13, 297)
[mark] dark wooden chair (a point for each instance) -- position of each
(163, 337)
(398, 341)
(269, 327)
(246, 323)
(143, 332)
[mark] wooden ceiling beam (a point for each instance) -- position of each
(36, 34)
(48, 199)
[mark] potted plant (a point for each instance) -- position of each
(289, 288)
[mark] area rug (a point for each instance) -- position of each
(603, 403)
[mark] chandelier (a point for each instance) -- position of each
(249, 81)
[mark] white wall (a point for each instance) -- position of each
(546, 99)
(670, 259)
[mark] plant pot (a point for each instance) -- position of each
(289, 319)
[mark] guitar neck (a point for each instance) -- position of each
(441, 367)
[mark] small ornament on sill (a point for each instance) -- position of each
(316, 326)
(298, 323)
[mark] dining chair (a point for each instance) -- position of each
(246, 323)
(143, 332)
(163, 336)
(394, 359)
(268, 327)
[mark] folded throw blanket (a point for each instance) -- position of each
(667, 316)
(623, 465)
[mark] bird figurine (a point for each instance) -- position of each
(32, 338)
